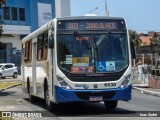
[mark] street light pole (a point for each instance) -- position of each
(93, 10)
(2, 4)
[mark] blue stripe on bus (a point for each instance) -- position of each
(64, 95)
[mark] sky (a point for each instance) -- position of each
(141, 15)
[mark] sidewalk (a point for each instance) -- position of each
(10, 79)
(9, 82)
(144, 87)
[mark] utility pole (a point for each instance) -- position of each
(2, 4)
(106, 9)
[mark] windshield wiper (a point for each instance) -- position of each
(98, 44)
(96, 49)
(101, 40)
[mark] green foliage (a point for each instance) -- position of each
(2, 3)
(135, 38)
(155, 43)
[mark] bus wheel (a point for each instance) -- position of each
(15, 75)
(111, 105)
(31, 97)
(47, 99)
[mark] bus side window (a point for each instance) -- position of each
(45, 46)
(42, 46)
(28, 51)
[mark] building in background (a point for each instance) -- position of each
(149, 51)
(63, 8)
(22, 17)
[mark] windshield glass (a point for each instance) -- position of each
(93, 53)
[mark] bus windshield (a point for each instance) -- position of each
(93, 53)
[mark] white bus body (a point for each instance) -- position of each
(53, 67)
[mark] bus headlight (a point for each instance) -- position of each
(125, 81)
(62, 83)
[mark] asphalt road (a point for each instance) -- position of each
(15, 100)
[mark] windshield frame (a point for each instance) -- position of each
(93, 32)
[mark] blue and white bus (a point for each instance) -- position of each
(78, 59)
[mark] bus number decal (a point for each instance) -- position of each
(109, 84)
(80, 61)
(73, 26)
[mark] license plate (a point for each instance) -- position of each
(95, 98)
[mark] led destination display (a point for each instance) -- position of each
(90, 25)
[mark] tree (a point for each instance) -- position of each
(155, 43)
(134, 37)
(2, 2)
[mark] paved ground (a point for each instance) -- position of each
(15, 100)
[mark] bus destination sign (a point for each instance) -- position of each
(97, 25)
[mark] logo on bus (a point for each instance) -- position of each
(85, 86)
(95, 86)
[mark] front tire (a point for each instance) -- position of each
(30, 96)
(111, 105)
(15, 75)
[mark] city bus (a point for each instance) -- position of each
(78, 59)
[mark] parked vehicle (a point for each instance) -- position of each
(8, 70)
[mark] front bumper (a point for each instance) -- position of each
(64, 95)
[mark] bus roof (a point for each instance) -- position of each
(38, 31)
(50, 24)
(90, 17)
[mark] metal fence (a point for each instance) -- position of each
(149, 59)
(11, 56)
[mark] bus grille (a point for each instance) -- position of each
(94, 78)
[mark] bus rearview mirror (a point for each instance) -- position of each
(133, 54)
(51, 42)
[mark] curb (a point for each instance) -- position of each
(9, 87)
(141, 85)
(147, 91)
(9, 80)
